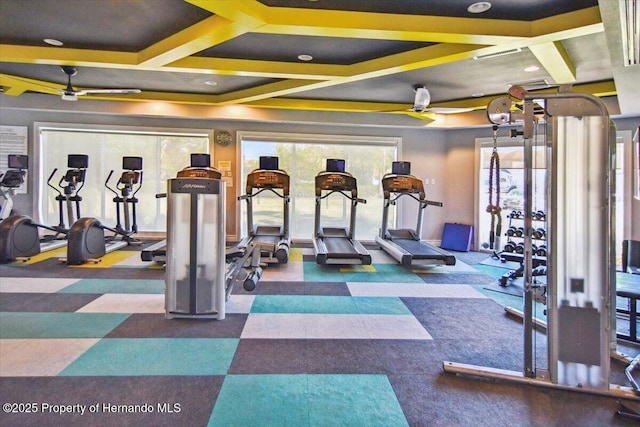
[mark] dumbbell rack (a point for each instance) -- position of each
(510, 250)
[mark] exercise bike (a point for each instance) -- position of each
(87, 240)
(19, 234)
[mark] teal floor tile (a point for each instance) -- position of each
(359, 273)
(58, 325)
(312, 304)
(307, 400)
(495, 272)
(155, 356)
(115, 286)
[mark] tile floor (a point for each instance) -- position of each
(312, 346)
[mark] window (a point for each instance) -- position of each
(302, 157)
(163, 153)
(512, 184)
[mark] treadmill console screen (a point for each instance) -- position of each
(269, 162)
(200, 160)
(335, 165)
(401, 168)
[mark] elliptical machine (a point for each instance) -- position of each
(19, 235)
(11, 180)
(87, 241)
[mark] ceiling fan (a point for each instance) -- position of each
(70, 94)
(423, 98)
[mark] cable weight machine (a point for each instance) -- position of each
(580, 297)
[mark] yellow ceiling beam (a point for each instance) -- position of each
(385, 26)
(15, 85)
(65, 56)
(267, 69)
(250, 13)
(281, 88)
(327, 105)
(554, 58)
(198, 37)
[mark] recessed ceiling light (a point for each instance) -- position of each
(478, 95)
(211, 83)
(531, 68)
(305, 57)
(53, 42)
(479, 7)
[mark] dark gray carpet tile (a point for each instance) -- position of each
(156, 326)
(296, 288)
(195, 397)
(288, 356)
(52, 269)
(275, 356)
(453, 400)
(407, 356)
(44, 302)
(343, 357)
(457, 278)
(462, 318)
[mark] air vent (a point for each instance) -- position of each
(497, 54)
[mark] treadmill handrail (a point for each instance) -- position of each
(251, 195)
(352, 198)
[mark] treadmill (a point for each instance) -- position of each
(404, 244)
(337, 245)
(268, 177)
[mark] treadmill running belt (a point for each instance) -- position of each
(418, 250)
(339, 247)
(267, 238)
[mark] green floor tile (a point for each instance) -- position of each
(155, 356)
(58, 325)
(115, 286)
(307, 400)
(328, 304)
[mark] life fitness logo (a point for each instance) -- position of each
(193, 186)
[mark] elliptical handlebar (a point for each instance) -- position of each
(139, 186)
(49, 181)
(106, 184)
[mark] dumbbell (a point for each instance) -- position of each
(511, 231)
(542, 251)
(539, 233)
(519, 232)
(539, 215)
(509, 247)
(515, 214)
(520, 248)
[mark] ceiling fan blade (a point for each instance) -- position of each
(96, 91)
(449, 110)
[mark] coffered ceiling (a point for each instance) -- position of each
(366, 55)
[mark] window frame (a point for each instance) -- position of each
(306, 138)
(40, 175)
